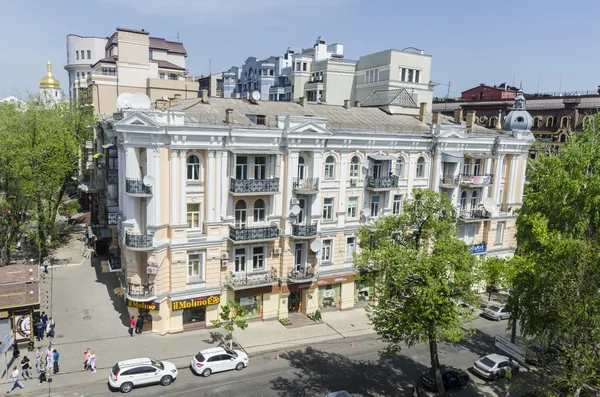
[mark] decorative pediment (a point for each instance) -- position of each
(309, 128)
(445, 131)
(137, 119)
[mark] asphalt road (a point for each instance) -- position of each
(317, 370)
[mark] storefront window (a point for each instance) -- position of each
(194, 315)
(329, 296)
(364, 292)
(251, 306)
(147, 319)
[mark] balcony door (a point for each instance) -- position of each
(299, 260)
(260, 167)
(301, 217)
(377, 168)
(241, 167)
(301, 168)
(241, 213)
(240, 260)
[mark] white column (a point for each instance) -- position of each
(151, 201)
(437, 171)
(498, 179)
(487, 170)
(410, 179)
(291, 173)
(157, 188)
(182, 187)
(278, 198)
(522, 171)
(343, 177)
(173, 186)
(225, 183)
(510, 198)
(209, 188)
(317, 172)
(218, 187)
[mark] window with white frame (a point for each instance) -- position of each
(195, 271)
(499, 233)
(467, 167)
(258, 258)
(239, 260)
(474, 200)
(375, 201)
(420, 167)
(301, 168)
(397, 204)
(477, 167)
(410, 75)
(240, 213)
(193, 168)
(352, 210)
(193, 216)
(260, 168)
(89, 54)
(350, 247)
(330, 167)
(241, 167)
(328, 208)
(354, 167)
(467, 233)
(259, 211)
(463, 200)
(400, 167)
(327, 250)
(372, 76)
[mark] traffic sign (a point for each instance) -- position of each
(510, 348)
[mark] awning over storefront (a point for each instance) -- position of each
(381, 157)
(452, 157)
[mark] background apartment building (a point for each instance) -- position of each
(127, 61)
(260, 201)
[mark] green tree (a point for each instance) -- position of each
(420, 270)
(556, 299)
(230, 318)
(493, 272)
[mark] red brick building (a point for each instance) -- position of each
(486, 92)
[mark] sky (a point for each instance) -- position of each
(547, 45)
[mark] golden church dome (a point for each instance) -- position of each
(49, 81)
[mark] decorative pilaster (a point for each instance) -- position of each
(219, 184)
(498, 176)
(487, 170)
(437, 172)
(343, 178)
(523, 172)
(317, 172)
(174, 187)
(512, 176)
(210, 184)
(182, 186)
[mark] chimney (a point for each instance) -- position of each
(177, 96)
(161, 104)
(458, 116)
(204, 95)
(422, 111)
(435, 118)
(347, 103)
(173, 101)
(470, 118)
(302, 101)
(229, 116)
(357, 104)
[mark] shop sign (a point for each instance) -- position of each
(143, 305)
(196, 302)
(335, 280)
(4, 314)
(304, 286)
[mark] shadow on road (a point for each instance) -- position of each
(111, 282)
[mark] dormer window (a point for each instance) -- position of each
(258, 119)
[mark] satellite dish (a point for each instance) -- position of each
(316, 246)
(296, 209)
(367, 212)
(124, 100)
(140, 101)
(256, 95)
(489, 204)
(148, 181)
(165, 97)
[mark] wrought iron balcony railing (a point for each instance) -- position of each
(254, 185)
(301, 274)
(450, 180)
(253, 233)
(140, 291)
(254, 279)
(386, 182)
(306, 184)
(138, 240)
(304, 230)
(136, 186)
(474, 214)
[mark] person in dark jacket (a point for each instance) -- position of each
(139, 325)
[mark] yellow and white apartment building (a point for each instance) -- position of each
(220, 199)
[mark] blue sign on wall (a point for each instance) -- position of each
(478, 248)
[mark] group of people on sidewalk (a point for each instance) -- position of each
(44, 326)
(136, 325)
(42, 366)
(89, 361)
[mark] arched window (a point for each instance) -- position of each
(564, 121)
(474, 200)
(355, 167)
(193, 168)
(421, 167)
(259, 210)
(400, 167)
(463, 200)
(240, 213)
(537, 121)
(492, 122)
(330, 167)
(301, 168)
(562, 138)
(550, 122)
(587, 120)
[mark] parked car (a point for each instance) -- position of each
(469, 311)
(453, 378)
(342, 393)
(125, 375)
(537, 354)
(218, 359)
(494, 366)
(494, 312)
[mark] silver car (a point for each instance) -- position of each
(494, 366)
(496, 312)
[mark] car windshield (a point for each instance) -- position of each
(157, 364)
(487, 362)
(231, 352)
(494, 308)
(115, 369)
(200, 358)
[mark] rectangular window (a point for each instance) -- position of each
(397, 204)
(304, 67)
(402, 74)
(467, 232)
(409, 75)
(261, 119)
(77, 75)
(150, 54)
(161, 76)
(350, 247)
(259, 211)
(329, 170)
(172, 76)
(499, 233)
(260, 168)
(400, 168)
(194, 268)
(328, 208)
(240, 260)
(241, 167)
(477, 167)
(258, 258)
(375, 206)
(193, 216)
(372, 76)
(354, 170)
(327, 250)
(271, 72)
(417, 76)
(77, 54)
(352, 210)
(89, 54)
(467, 168)
(298, 66)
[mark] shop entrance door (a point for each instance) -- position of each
(294, 302)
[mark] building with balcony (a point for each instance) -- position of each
(262, 203)
(128, 61)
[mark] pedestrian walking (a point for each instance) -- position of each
(44, 319)
(38, 359)
(49, 360)
(26, 368)
(55, 357)
(86, 359)
(42, 376)
(15, 380)
(415, 391)
(139, 325)
(131, 325)
(93, 362)
(46, 264)
(39, 327)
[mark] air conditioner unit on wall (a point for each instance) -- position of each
(294, 201)
(277, 251)
(225, 255)
(224, 263)
(152, 270)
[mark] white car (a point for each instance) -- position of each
(494, 366)
(496, 312)
(218, 359)
(124, 375)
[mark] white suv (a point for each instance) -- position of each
(141, 371)
(218, 359)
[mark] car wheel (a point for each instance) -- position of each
(498, 318)
(166, 380)
(206, 373)
(126, 387)
(239, 366)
